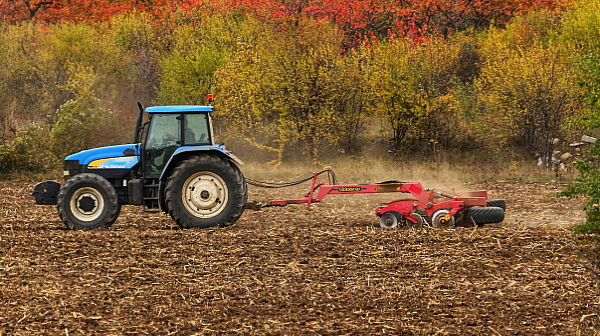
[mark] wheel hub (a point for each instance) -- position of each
(87, 203)
(442, 218)
(204, 194)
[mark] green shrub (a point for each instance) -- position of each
(80, 120)
(581, 34)
(412, 91)
(587, 184)
(28, 153)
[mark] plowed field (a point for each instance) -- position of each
(330, 270)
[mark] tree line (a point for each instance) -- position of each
(302, 81)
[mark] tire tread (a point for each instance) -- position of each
(484, 215)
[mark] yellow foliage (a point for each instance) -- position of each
(410, 85)
(526, 92)
(291, 92)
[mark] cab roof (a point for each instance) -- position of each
(179, 109)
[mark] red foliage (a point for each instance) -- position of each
(414, 18)
(356, 18)
(80, 10)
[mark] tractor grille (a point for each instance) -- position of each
(71, 168)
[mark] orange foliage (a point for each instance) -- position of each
(356, 18)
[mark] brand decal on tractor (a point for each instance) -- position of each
(126, 162)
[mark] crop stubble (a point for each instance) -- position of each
(330, 270)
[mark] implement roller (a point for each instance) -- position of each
(424, 206)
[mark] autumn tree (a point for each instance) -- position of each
(17, 10)
(143, 44)
(292, 92)
(411, 87)
(527, 87)
(358, 19)
(76, 126)
(200, 48)
(361, 19)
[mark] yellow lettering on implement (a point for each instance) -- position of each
(349, 189)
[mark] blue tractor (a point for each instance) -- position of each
(173, 165)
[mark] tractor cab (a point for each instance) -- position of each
(173, 129)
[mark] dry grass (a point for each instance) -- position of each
(364, 170)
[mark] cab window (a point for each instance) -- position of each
(196, 129)
(164, 130)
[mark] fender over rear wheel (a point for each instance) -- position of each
(205, 191)
(88, 201)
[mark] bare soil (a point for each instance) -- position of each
(330, 270)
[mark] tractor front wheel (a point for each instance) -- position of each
(205, 191)
(88, 201)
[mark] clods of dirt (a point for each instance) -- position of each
(330, 270)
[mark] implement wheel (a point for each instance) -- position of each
(389, 220)
(415, 226)
(205, 191)
(500, 203)
(88, 201)
(441, 219)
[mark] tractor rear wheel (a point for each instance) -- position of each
(205, 191)
(481, 216)
(88, 201)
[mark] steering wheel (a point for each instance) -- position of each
(168, 138)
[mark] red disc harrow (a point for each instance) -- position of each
(424, 207)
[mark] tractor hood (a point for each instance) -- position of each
(125, 156)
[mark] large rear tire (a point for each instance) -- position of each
(88, 201)
(205, 191)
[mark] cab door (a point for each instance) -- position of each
(163, 138)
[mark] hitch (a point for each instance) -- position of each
(254, 205)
